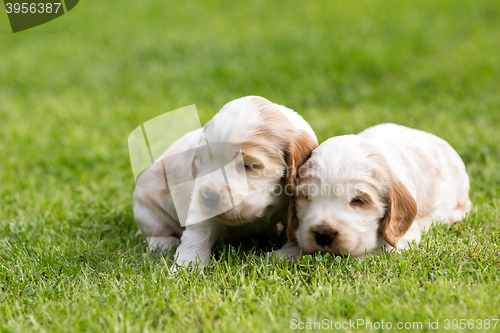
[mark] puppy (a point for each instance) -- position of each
(273, 141)
(359, 194)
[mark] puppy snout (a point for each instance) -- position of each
(324, 238)
(210, 197)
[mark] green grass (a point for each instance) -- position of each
(73, 89)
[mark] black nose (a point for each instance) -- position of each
(324, 238)
(211, 199)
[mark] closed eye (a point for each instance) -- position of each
(357, 202)
(247, 166)
(251, 162)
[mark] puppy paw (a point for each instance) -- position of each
(163, 243)
(291, 254)
(289, 251)
(189, 266)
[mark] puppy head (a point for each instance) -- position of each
(271, 150)
(348, 200)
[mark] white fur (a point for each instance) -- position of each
(346, 167)
(237, 122)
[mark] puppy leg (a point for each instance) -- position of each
(162, 235)
(289, 250)
(457, 215)
(197, 242)
(463, 207)
(464, 204)
(424, 223)
(413, 235)
(163, 243)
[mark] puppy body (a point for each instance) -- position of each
(272, 139)
(379, 189)
(430, 169)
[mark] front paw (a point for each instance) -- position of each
(164, 244)
(191, 264)
(190, 268)
(173, 269)
(291, 253)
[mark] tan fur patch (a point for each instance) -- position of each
(297, 145)
(400, 214)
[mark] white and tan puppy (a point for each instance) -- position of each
(273, 141)
(359, 194)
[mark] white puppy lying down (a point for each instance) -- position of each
(274, 141)
(361, 193)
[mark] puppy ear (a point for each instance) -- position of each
(298, 152)
(401, 212)
(293, 221)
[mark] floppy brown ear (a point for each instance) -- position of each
(293, 221)
(401, 212)
(298, 152)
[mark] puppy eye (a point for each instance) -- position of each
(357, 202)
(243, 166)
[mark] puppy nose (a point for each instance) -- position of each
(211, 198)
(324, 238)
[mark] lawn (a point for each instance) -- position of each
(73, 89)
